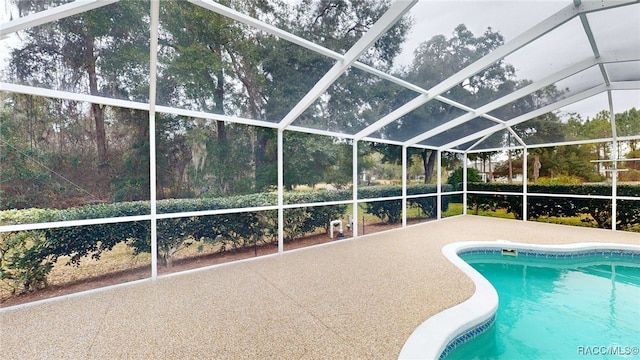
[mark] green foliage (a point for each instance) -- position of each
(290, 71)
(22, 216)
(230, 231)
(391, 210)
(547, 128)
(570, 163)
(308, 158)
(296, 222)
(23, 180)
(599, 210)
(628, 123)
(632, 165)
(455, 179)
(132, 183)
(22, 265)
(27, 257)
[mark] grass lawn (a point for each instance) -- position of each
(362, 213)
(453, 210)
(457, 209)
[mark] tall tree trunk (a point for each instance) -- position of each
(96, 109)
(31, 117)
(429, 164)
(265, 162)
(219, 98)
(536, 167)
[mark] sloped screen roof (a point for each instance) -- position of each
(567, 57)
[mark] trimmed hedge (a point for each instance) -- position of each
(391, 210)
(628, 212)
(27, 257)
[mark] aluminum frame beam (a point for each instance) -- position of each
(562, 143)
(522, 92)
(537, 31)
(154, 12)
(379, 28)
(270, 29)
(626, 85)
(67, 95)
(561, 17)
(52, 14)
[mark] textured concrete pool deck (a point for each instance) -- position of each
(355, 299)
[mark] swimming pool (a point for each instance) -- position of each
(588, 284)
(561, 307)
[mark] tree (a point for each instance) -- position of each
(101, 52)
(434, 61)
(597, 128)
(542, 129)
(307, 158)
(635, 164)
(43, 154)
(211, 66)
(74, 51)
(131, 181)
(22, 179)
(290, 72)
(557, 161)
(628, 123)
(455, 178)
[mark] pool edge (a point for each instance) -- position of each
(434, 336)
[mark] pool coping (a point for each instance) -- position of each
(436, 337)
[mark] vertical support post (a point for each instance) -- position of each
(153, 195)
(354, 188)
(439, 182)
(525, 184)
(153, 59)
(464, 184)
(280, 191)
(404, 185)
(614, 184)
(614, 158)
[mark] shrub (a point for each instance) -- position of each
(22, 266)
(27, 257)
(455, 178)
(599, 210)
(391, 210)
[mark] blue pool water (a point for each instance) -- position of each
(578, 308)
